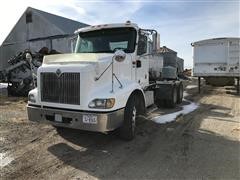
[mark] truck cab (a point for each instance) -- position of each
(103, 85)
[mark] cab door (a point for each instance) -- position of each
(142, 62)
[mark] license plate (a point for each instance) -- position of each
(58, 118)
(90, 119)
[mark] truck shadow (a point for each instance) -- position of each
(145, 127)
(78, 137)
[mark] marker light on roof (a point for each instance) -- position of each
(128, 22)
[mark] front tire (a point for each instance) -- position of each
(127, 130)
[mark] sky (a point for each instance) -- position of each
(179, 22)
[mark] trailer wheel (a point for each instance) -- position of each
(180, 93)
(127, 130)
(171, 103)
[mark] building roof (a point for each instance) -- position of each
(65, 24)
(37, 24)
(165, 49)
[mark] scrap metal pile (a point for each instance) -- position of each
(21, 74)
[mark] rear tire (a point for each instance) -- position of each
(160, 103)
(171, 103)
(127, 130)
(180, 93)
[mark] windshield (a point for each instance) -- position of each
(106, 41)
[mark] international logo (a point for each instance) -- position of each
(58, 72)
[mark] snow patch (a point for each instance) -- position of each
(166, 118)
(185, 94)
(191, 86)
(5, 160)
(3, 85)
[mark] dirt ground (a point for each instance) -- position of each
(203, 144)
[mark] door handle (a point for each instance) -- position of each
(138, 63)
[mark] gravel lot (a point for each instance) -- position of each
(204, 144)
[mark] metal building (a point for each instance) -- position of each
(36, 29)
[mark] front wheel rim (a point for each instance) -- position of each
(134, 114)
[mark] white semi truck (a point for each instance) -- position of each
(113, 76)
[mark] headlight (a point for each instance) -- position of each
(102, 103)
(31, 98)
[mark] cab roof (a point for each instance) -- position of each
(107, 26)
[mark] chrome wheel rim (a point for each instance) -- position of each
(134, 114)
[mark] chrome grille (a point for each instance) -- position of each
(60, 89)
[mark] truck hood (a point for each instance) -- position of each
(76, 58)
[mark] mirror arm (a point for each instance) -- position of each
(97, 78)
(118, 80)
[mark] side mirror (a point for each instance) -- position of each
(142, 47)
(119, 55)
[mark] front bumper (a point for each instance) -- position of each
(106, 121)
